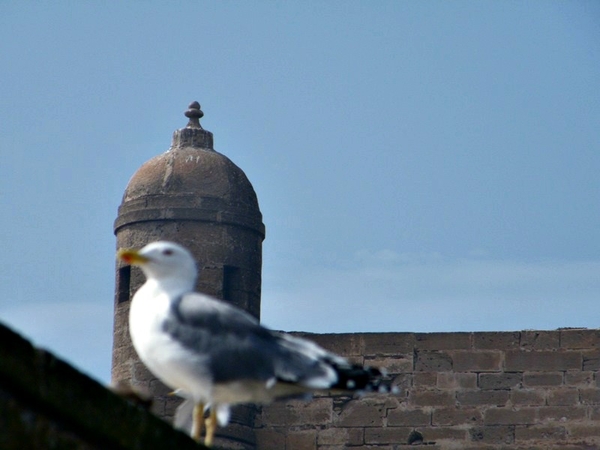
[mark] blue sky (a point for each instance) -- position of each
(420, 166)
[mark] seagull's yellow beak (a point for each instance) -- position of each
(131, 256)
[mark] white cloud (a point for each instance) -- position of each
(385, 291)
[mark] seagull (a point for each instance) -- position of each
(215, 355)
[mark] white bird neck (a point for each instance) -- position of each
(172, 286)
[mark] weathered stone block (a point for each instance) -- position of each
(528, 397)
(540, 433)
(510, 416)
(542, 378)
(496, 340)
(124, 355)
(589, 396)
(141, 374)
(580, 338)
(159, 389)
(159, 407)
(540, 340)
(122, 372)
(382, 435)
(477, 397)
(387, 343)
(442, 341)
(345, 344)
(392, 365)
(362, 413)
(408, 418)
(561, 413)
(340, 436)
(425, 379)
(493, 434)
(542, 360)
(455, 416)
(595, 413)
(434, 434)
(295, 412)
(504, 380)
(585, 431)
(453, 380)
(563, 396)
(170, 406)
(367, 447)
(270, 438)
(433, 397)
(433, 362)
(578, 378)
(301, 440)
(591, 360)
(477, 361)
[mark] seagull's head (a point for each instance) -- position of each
(162, 261)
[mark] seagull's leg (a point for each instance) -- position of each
(211, 426)
(197, 421)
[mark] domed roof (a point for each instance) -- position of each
(191, 181)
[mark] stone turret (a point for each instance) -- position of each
(197, 197)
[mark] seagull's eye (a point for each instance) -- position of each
(167, 252)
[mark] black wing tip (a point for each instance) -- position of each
(358, 378)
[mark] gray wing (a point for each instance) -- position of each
(237, 347)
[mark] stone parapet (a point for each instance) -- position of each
(47, 404)
(479, 390)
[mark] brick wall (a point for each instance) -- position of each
(506, 390)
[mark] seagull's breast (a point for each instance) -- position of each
(175, 365)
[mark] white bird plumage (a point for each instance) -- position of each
(212, 353)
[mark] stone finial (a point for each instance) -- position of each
(194, 113)
(193, 135)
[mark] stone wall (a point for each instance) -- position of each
(506, 390)
(47, 404)
(513, 390)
